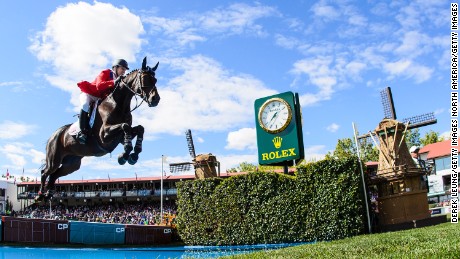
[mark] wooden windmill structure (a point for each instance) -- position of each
(402, 191)
(205, 165)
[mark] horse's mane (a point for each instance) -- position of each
(127, 75)
(135, 70)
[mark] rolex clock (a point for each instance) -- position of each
(275, 115)
(279, 129)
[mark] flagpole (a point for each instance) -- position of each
(161, 191)
(362, 178)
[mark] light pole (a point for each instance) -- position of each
(161, 190)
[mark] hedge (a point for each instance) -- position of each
(323, 201)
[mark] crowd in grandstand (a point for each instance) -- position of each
(139, 214)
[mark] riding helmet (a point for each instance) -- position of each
(121, 62)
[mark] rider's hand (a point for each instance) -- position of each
(117, 81)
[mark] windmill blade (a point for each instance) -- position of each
(180, 167)
(366, 138)
(388, 105)
(420, 120)
(191, 147)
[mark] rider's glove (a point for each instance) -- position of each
(117, 81)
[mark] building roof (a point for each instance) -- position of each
(371, 164)
(119, 180)
(140, 179)
(436, 150)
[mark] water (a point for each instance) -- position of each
(137, 252)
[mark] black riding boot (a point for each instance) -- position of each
(84, 125)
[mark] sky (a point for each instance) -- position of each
(216, 58)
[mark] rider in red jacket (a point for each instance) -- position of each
(100, 88)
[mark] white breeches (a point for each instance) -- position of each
(86, 100)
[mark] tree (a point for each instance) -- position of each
(431, 137)
(413, 138)
(244, 167)
(368, 151)
(345, 148)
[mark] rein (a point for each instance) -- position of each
(141, 95)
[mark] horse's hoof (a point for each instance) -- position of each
(39, 197)
(121, 159)
(133, 157)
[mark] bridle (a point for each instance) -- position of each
(137, 81)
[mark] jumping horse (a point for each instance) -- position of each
(112, 126)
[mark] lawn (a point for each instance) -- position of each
(441, 241)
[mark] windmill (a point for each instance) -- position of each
(393, 149)
(402, 190)
(204, 164)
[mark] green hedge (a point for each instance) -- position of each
(322, 202)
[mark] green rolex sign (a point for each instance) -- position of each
(279, 129)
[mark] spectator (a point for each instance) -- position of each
(148, 214)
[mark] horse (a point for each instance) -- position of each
(112, 126)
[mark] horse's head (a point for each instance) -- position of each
(144, 84)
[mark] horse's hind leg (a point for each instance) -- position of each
(51, 166)
(139, 132)
(69, 165)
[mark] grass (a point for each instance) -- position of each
(440, 241)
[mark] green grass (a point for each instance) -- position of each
(441, 241)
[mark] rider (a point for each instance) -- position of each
(98, 89)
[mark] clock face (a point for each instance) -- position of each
(275, 115)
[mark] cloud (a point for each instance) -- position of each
(204, 97)
(395, 46)
(314, 153)
(286, 42)
(244, 138)
(20, 154)
(232, 161)
(235, 19)
(333, 127)
(325, 11)
(408, 69)
(12, 83)
(417, 13)
(81, 38)
(439, 111)
(15, 130)
(319, 74)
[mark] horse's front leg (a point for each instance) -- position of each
(127, 145)
(111, 131)
(139, 132)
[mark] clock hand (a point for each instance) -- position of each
(274, 115)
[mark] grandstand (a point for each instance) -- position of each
(101, 192)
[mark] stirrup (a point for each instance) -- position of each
(81, 137)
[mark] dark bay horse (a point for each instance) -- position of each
(112, 126)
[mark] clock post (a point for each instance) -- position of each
(279, 130)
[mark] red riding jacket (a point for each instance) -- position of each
(101, 86)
